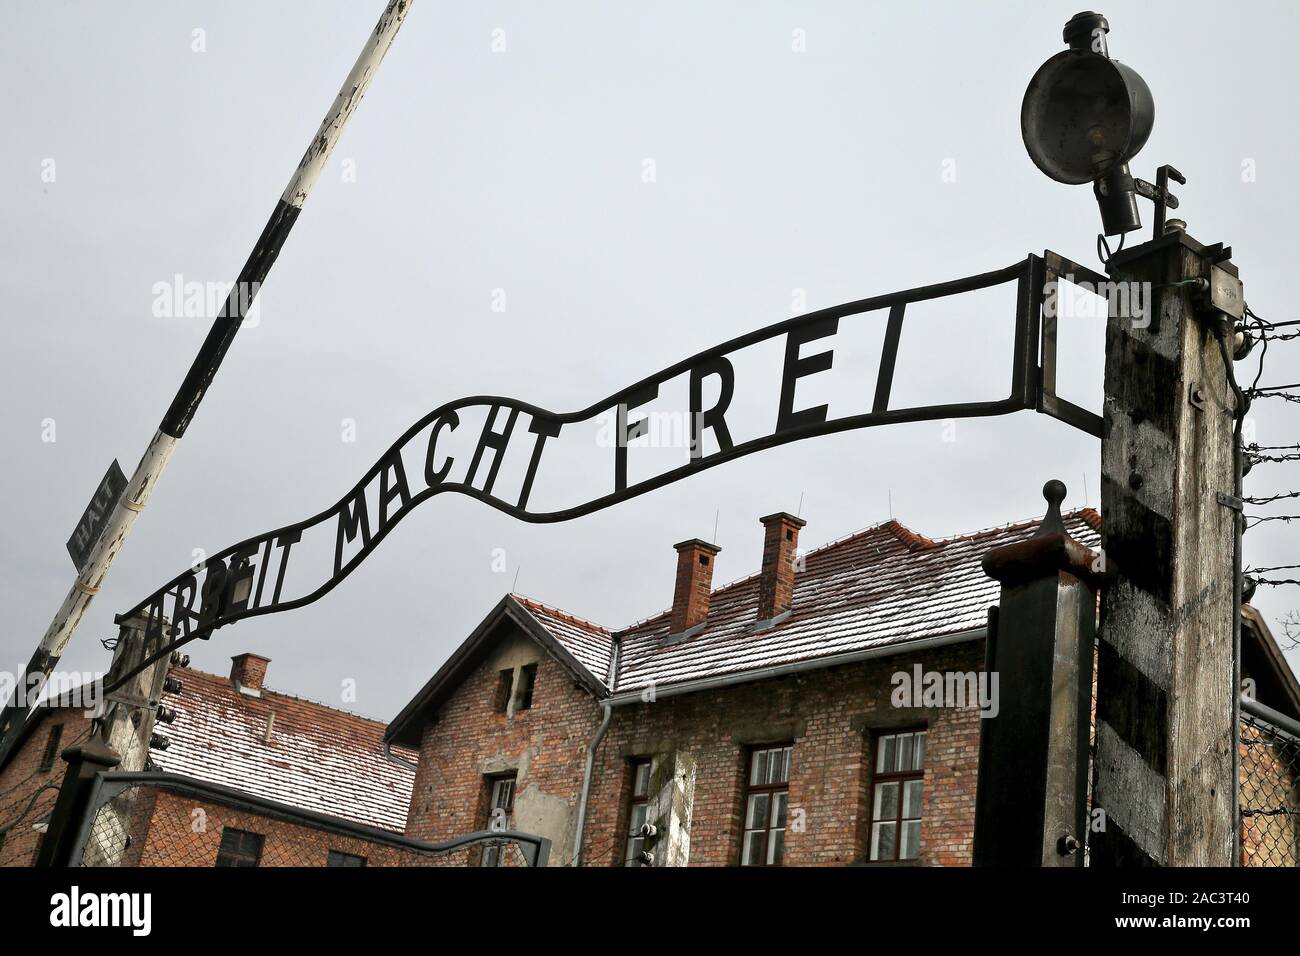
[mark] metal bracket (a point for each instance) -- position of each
(1228, 501)
(1160, 195)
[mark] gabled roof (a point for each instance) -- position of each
(583, 648)
(590, 644)
(881, 587)
(284, 748)
(878, 591)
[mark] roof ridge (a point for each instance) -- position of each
(912, 539)
(533, 602)
(382, 724)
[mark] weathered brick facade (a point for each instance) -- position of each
(470, 742)
(28, 792)
(829, 715)
(175, 829)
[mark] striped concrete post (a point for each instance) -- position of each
(1166, 723)
(186, 402)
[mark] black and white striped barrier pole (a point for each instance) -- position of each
(1166, 694)
(163, 444)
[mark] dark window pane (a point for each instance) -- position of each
(52, 747)
(885, 755)
(336, 858)
(239, 848)
(882, 841)
(775, 847)
(527, 679)
(505, 680)
(641, 779)
(757, 815)
(911, 847)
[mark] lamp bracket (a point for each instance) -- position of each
(1160, 195)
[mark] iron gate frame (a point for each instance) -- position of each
(109, 785)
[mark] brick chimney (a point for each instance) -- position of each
(248, 671)
(776, 583)
(694, 581)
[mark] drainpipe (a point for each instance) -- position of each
(608, 713)
(396, 760)
(586, 781)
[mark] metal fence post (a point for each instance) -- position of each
(85, 762)
(1032, 792)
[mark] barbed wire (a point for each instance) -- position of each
(1253, 520)
(5, 828)
(1269, 499)
(1256, 453)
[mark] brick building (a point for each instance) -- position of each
(241, 775)
(762, 722)
(756, 723)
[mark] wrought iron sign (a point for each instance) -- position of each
(502, 451)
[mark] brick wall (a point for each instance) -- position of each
(23, 777)
(545, 746)
(829, 715)
(175, 829)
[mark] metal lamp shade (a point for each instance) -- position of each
(1084, 115)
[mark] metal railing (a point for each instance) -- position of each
(161, 819)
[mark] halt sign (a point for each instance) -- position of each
(96, 515)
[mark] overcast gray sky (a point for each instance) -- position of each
(884, 154)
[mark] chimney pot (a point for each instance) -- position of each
(776, 582)
(694, 582)
(248, 671)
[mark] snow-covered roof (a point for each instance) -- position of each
(285, 748)
(883, 586)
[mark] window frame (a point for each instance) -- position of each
(636, 798)
(756, 789)
(901, 777)
(52, 742)
(491, 855)
(240, 855)
(504, 688)
(339, 859)
(527, 684)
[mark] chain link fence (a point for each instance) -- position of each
(1270, 794)
(160, 824)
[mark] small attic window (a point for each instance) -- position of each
(704, 560)
(505, 681)
(789, 535)
(51, 747)
(527, 678)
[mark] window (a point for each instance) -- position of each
(505, 680)
(336, 858)
(527, 677)
(501, 803)
(636, 814)
(239, 848)
(896, 796)
(52, 747)
(765, 806)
